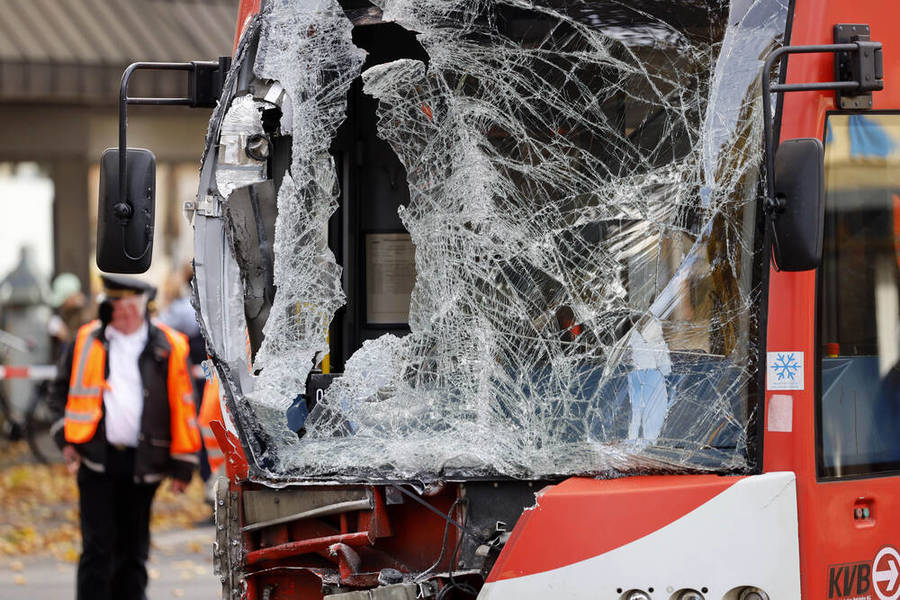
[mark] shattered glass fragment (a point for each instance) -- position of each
(307, 48)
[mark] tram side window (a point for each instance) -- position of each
(859, 298)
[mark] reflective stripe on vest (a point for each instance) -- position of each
(84, 407)
(80, 417)
(191, 458)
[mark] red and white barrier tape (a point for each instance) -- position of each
(28, 372)
(49, 372)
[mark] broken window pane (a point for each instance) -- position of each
(583, 204)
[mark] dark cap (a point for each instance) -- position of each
(120, 286)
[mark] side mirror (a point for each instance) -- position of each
(125, 220)
(798, 208)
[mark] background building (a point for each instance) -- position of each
(61, 63)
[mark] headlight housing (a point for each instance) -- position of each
(752, 593)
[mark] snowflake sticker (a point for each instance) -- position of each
(786, 366)
(784, 371)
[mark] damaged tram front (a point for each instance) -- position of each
(474, 249)
(485, 283)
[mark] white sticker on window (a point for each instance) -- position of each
(780, 413)
(784, 371)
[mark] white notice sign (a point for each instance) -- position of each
(780, 413)
(390, 277)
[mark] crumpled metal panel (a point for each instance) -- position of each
(251, 213)
(583, 203)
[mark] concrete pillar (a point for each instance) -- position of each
(72, 251)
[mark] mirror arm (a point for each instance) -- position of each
(767, 88)
(866, 54)
(123, 208)
(204, 88)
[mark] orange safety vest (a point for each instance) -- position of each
(182, 411)
(84, 407)
(211, 410)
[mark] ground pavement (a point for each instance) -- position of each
(40, 538)
(180, 567)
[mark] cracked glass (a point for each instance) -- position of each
(583, 206)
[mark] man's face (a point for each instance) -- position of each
(128, 313)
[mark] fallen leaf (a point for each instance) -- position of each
(20, 580)
(184, 564)
(17, 565)
(46, 498)
(178, 592)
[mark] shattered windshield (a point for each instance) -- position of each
(582, 211)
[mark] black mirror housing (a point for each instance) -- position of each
(125, 225)
(798, 217)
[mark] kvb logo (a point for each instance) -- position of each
(886, 574)
(849, 581)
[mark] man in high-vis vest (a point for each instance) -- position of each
(125, 407)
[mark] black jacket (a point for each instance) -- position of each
(152, 457)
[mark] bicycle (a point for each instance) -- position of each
(10, 429)
(38, 421)
(35, 427)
